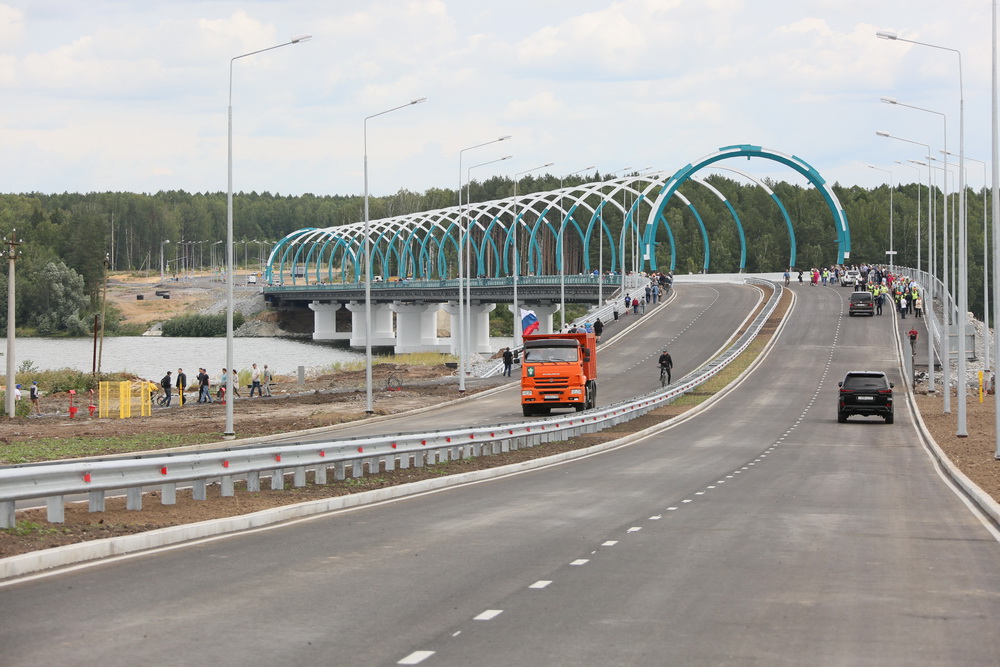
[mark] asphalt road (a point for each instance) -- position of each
(759, 532)
(694, 325)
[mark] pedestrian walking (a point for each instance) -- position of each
(902, 306)
(614, 311)
(255, 381)
(628, 302)
(166, 383)
(879, 301)
(267, 379)
(204, 396)
(35, 396)
(508, 361)
(181, 386)
(918, 307)
(598, 329)
(635, 306)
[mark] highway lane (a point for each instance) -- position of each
(758, 532)
(695, 325)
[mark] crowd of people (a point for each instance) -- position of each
(887, 288)
(260, 385)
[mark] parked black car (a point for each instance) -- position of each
(861, 303)
(865, 393)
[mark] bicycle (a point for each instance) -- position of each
(160, 398)
(664, 376)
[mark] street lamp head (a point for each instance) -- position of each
(887, 34)
(922, 164)
(889, 100)
(297, 39)
(882, 133)
(419, 100)
(504, 137)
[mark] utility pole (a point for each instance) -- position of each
(11, 244)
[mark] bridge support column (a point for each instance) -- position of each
(325, 322)
(479, 327)
(416, 328)
(543, 312)
(382, 334)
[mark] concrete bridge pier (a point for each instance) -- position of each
(382, 334)
(416, 327)
(479, 327)
(325, 322)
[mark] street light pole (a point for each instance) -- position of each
(459, 329)
(930, 256)
(986, 262)
(600, 251)
(919, 206)
(11, 388)
(467, 316)
(229, 431)
(517, 267)
(369, 409)
(562, 252)
(961, 430)
(161, 258)
(892, 186)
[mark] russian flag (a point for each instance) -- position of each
(529, 322)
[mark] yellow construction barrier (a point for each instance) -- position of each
(103, 399)
(108, 399)
(124, 399)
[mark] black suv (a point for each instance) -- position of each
(861, 303)
(865, 393)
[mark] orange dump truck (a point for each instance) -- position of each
(558, 371)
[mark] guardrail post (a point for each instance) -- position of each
(133, 498)
(226, 486)
(199, 489)
(278, 479)
(320, 475)
(390, 462)
(340, 471)
(357, 469)
(299, 478)
(169, 494)
(7, 514)
(55, 510)
(95, 501)
(253, 481)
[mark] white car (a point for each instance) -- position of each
(850, 278)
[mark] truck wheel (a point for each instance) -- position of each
(528, 410)
(888, 419)
(580, 407)
(591, 395)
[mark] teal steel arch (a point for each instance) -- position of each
(736, 218)
(750, 151)
(424, 245)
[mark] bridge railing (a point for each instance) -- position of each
(611, 281)
(53, 481)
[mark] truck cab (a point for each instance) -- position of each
(558, 371)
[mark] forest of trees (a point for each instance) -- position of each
(68, 237)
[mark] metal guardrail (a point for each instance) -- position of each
(54, 481)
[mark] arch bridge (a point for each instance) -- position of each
(611, 227)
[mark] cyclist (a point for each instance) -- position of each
(666, 364)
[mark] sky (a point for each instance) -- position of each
(121, 95)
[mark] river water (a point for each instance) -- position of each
(152, 356)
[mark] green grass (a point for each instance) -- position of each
(408, 359)
(50, 449)
(30, 528)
